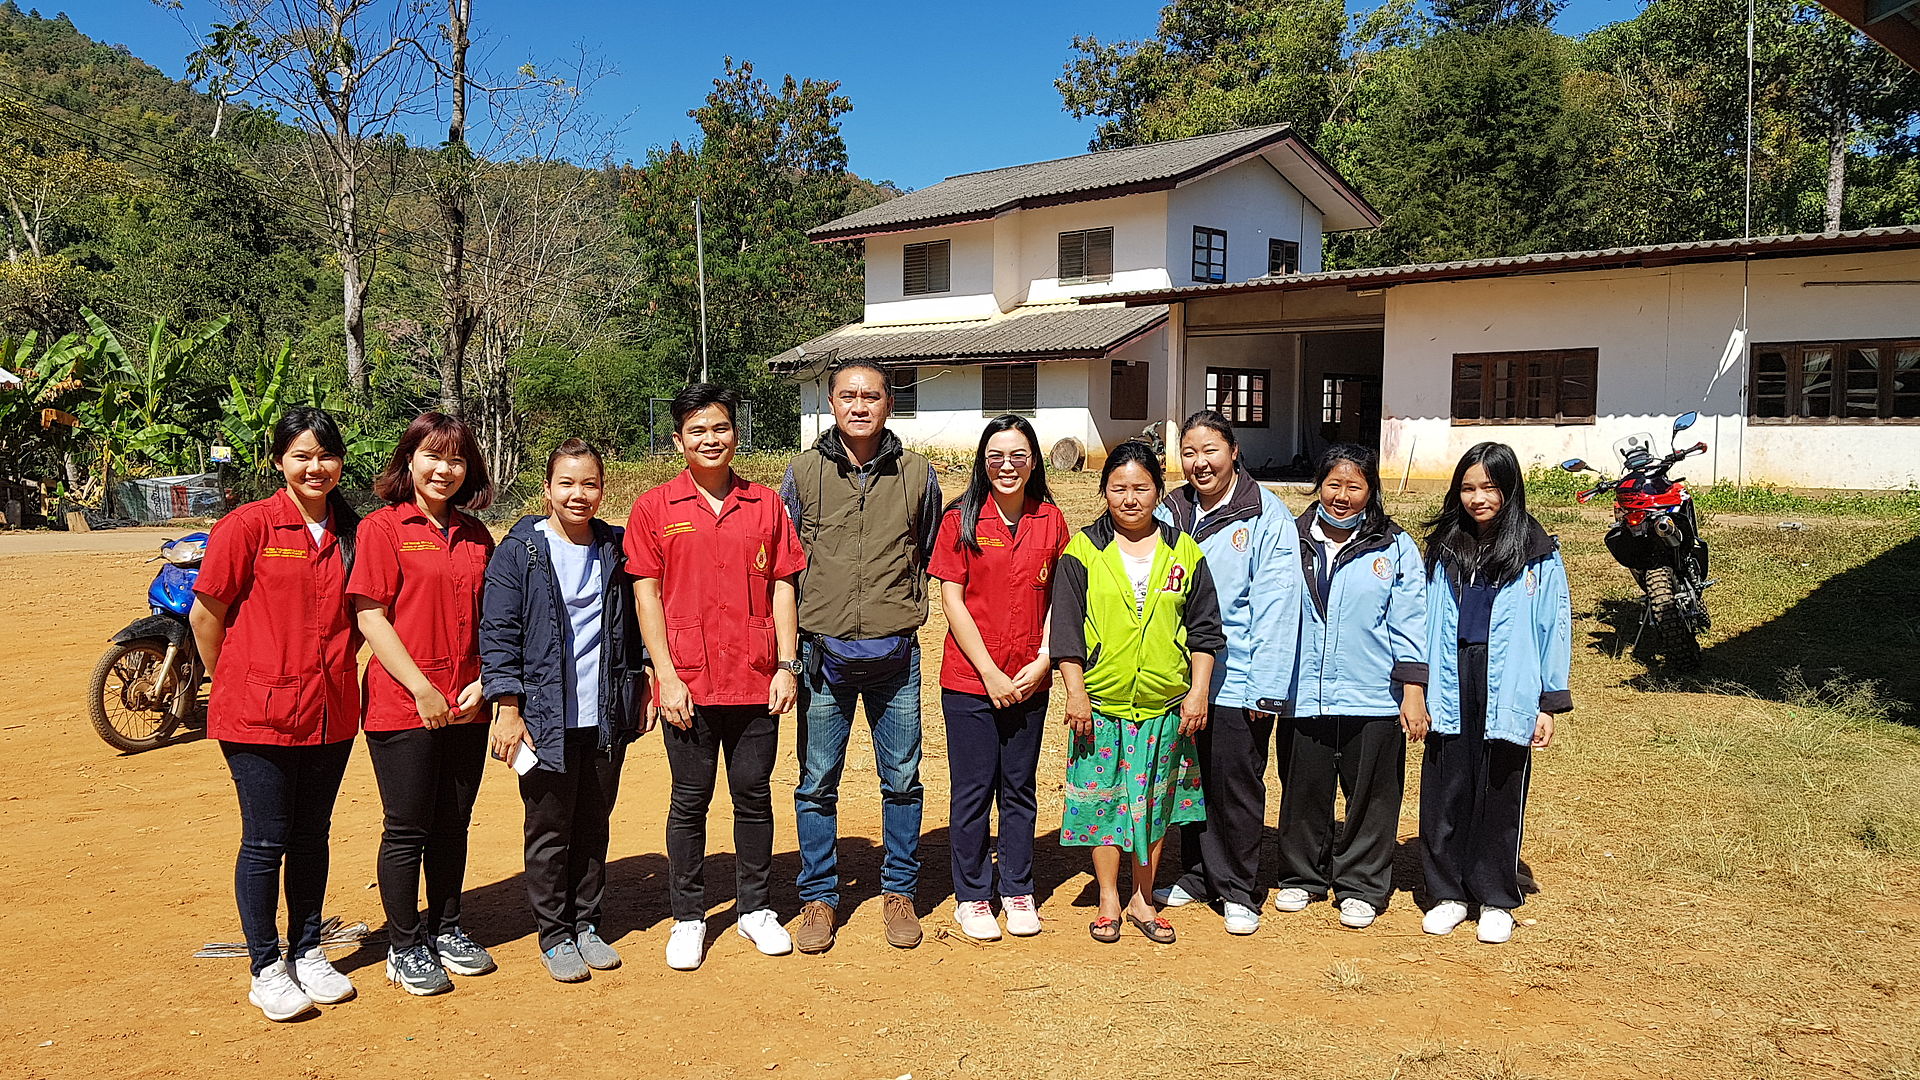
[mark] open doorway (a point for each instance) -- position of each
(1340, 389)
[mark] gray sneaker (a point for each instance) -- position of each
(564, 963)
(417, 971)
(461, 954)
(597, 953)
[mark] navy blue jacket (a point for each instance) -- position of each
(523, 641)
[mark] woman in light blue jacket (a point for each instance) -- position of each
(1248, 538)
(1499, 639)
(1360, 692)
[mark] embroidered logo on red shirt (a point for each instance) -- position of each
(283, 553)
(677, 528)
(1046, 571)
(989, 541)
(419, 545)
(760, 560)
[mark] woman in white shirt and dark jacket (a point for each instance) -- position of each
(1499, 640)
(1359, 692)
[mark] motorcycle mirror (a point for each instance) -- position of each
(1574, 465)
(1685, 421)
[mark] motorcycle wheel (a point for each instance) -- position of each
(126, 713)
(1672, 635)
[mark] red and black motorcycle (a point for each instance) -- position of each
(1656, 535)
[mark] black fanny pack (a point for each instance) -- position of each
(861, 661)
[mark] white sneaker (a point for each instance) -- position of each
(1173, 896)
(976, 920)
(277, 995)
(688, 945)
(1445, 915)
(1357, 914)
(1496, 925)
(320, 979)
(1241, 919)
(1291, 900)
(1023, 917)
(764, 930)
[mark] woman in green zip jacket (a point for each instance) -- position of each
(1135, 624)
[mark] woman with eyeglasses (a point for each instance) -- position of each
(994, 558)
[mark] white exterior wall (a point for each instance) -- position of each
(1139, 252)
(1253, 203)
(1661, 334)
(1278, 354)
(971, 296)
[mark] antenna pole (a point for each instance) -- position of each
(700, 265)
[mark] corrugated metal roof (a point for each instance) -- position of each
(1154, 166)
(1059, 332)
(1902, 236)
(1895, 24)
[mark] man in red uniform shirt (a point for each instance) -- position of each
(714, 558)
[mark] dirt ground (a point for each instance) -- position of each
(117, 868)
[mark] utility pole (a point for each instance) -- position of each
(700, 266)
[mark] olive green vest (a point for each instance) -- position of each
(866, 573)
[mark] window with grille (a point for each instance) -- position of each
(1239, 394)
(926, 268)
(1209, 254)
(1127, 399)
(1008, 388)
(1554, 386)
(1086, 255)
(906, 390)
(1836, 382)
(1283, 257)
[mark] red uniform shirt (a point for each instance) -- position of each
(430, 582)
(716, 574)
(287, 669)
(1007, 584)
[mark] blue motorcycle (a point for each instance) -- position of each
(148, 683)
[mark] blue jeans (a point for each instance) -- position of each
(826, 720)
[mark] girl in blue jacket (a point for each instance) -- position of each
(1359, 695)
(1248, 537)
(1499, 642)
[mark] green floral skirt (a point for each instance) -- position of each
(1127, 783)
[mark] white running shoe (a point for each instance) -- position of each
(1241, 919)
(1023, 916)
(1445, 915)
(1173, 896)
(277, 995)
(1357, 914)
(1496, 925)
(1291, 900)
(320, 979)
(688, 945)
(764, 930)
(976, 920)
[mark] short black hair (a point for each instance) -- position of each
(886, 377)
(704, 395)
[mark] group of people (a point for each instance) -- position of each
(1196, 634)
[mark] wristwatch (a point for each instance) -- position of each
(792, 666)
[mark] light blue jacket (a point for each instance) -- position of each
(1368, 634)
(1529, 647)
(1251, 553)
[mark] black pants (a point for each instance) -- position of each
(1473, 798)
(750, 738)
(567, 833)
(992, 756)
(428, 782)
(1220, 856)
(286, 814)
(1366, 758)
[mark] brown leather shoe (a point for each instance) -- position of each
(814, 933)
(903, 925)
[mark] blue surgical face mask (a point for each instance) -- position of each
(1340, 523)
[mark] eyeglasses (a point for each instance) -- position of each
(1019, 459)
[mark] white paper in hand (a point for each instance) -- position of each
(524, 759)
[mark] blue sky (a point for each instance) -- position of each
(937, 89)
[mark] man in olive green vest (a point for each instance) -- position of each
(866, 509)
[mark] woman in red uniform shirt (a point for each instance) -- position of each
(271, 620)
(416, 593)
(994, 558)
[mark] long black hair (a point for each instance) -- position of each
(980, 487)
(304, 418)
(1368, 463)
(1455, 542)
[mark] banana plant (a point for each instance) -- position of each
(51, 384)
(137, 413)
(248, 414)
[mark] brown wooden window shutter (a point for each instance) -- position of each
(1008, 388)
(906, 390)
(926, 268)
(1086, 255)
(1127, 392)
(1551, 386)
(1835, 382)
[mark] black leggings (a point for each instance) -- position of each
(286, 814)
(428, 782)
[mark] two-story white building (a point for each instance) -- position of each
(973, 288)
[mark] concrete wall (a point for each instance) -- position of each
(1253, 203)
(1138, 223)
(972, 293)
(1661, 333)
(1278, 354)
